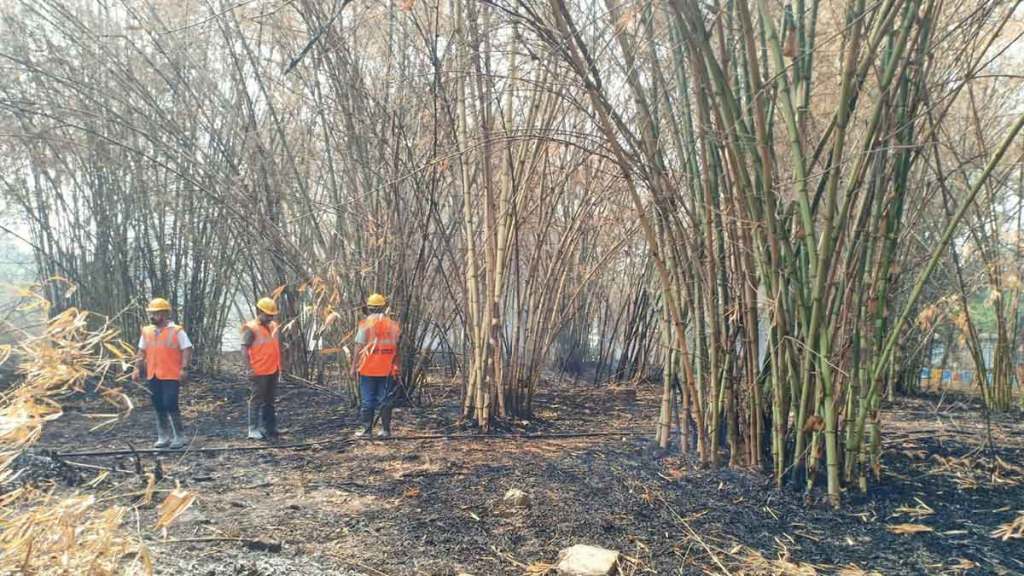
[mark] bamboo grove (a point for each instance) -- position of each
(762, 206)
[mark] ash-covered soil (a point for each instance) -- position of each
(434, 507)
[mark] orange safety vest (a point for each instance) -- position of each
(378, 355)
(163, 356)
(265, 349)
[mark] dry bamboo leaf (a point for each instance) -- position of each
(854, 570)
(919, 511)
(99, 478)
(627, 18)
(964, 564)
(330, 319)
(756, 563)
(1011, 281)
(539, 568)
(815, 423)
(145, 559)
(288, 326)
(789, 49)
(173, 506)
(1011, 530)
(411, 492)
(927, 316)
(147, 495)
(128, 348)
(907, 528)
(42, 533)
(406, 5)
(105, 415)
(105, 423)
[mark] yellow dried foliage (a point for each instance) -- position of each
(1011, 281)
(926, 318)
(907, 528)
(854, 570)
(1011, 530)
(278, 291)
(919, 511)
(973, 470)
(68, 536)
(173, 506)
(43, 533)
(539, 568)
(147, 494)
(754, 562)
(98, 479)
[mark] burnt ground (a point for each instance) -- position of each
(433, 507)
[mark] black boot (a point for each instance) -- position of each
(269, 421)
(366, 421)
(385, 423)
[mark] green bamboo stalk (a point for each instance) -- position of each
(936, 254)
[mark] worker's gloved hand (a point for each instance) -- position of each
(183, 377)
(136, 376)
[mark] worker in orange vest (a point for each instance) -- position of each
(262, 348)
(164, 354)
(375, 364)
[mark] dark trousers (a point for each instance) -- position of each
(164, 394)
(261, 403)
(374, 392)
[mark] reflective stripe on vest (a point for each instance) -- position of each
(265, 349)
(381, 348)
(163, 356)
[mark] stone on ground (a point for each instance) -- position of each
(516, 498)
(585, 560)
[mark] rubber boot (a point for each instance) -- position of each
(269, 421)
(254, 422)
(177, 432)
(385, 423)
(162, 439)
(367, 423)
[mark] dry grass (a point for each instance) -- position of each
(754, 562)
(41, 533)
(68, 536)
(1011, 530)
(975, 470)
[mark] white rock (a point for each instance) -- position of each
(516, 498)
(584, 560)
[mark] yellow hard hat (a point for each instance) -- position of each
(158, 305)
(267, 306)
(377, 300)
